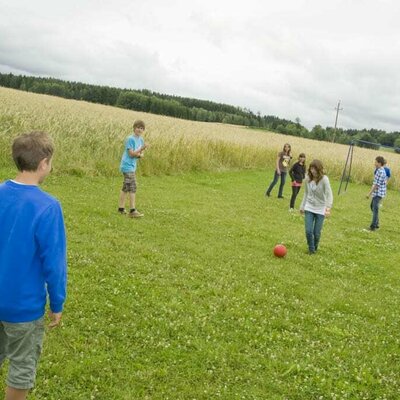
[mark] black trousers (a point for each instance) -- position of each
(295, 192)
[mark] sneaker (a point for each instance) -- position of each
(122, 212)
(267, 194)
(135, 214)
(291, 210)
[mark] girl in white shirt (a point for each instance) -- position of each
(316, 204)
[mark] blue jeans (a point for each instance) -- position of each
(313, 224)
(375, 212)
(275, 181)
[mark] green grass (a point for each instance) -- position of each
(189, 302)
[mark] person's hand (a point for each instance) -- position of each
(368, 195)
(327, 212)
(301, 211)
(278, 171)
(55, 319)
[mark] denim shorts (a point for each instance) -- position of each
(22, 344)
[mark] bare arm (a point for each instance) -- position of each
(373, 188)
(137, 153)
(277, 164)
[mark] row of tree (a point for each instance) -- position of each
(193, 109)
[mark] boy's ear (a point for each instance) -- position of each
(43, 164)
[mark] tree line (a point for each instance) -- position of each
(194, 109)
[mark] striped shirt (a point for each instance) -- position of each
(380, 182)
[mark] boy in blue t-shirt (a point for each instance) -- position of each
(387, 171)
(32, 261)
(134, 148)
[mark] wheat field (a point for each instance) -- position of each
(89, 140)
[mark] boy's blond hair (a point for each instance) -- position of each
(31, 148)
(138, 124)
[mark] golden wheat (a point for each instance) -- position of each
(89, 140)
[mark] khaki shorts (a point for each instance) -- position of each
(22, 344)
(129, 184)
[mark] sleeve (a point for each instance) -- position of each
(303, 202)
(51, 239)
(376, 178)
(291, 172)
(328, 193)
(130, 144)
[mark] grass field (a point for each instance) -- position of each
(189, 303)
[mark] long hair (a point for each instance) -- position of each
(289, 152)
(317, 165)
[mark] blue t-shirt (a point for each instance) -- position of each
(128, 163)
(387, 172)
(32, 253)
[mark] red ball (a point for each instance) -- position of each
(280, 250)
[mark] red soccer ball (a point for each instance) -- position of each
(280, 250)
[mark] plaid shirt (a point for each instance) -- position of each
(380, 181)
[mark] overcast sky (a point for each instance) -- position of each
(289, 58)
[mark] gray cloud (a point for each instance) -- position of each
(293, 59)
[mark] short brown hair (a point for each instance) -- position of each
(138, 124)
(31, 148)
(380, 160)
(318, 167)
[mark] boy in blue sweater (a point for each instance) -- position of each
(32, 261)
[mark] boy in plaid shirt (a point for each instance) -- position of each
(378, 191)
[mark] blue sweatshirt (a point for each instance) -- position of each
(32, 253)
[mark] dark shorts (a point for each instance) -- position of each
(129, 184)
(22, 344)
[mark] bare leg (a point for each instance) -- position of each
(16, 394)
(122, 198)
(132, 200)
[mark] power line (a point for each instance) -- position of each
(337, 114)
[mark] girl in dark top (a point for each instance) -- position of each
(297, 174)
(282, 165)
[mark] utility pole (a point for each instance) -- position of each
(337, 114)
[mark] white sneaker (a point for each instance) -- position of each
(135, 214)
(291, 210)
